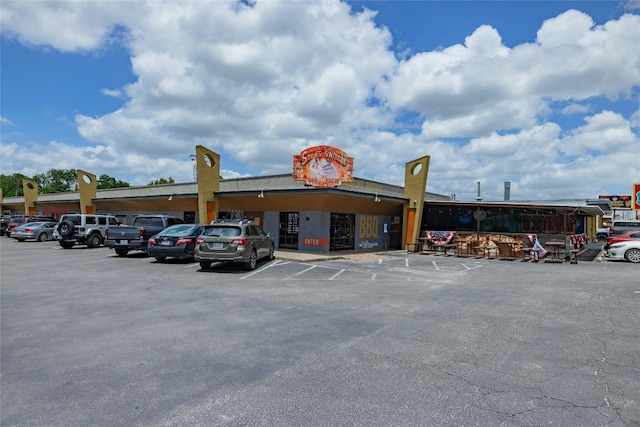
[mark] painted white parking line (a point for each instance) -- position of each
(270, 265)
(406, 262)
(380, 261)
(435, 265)
(337, 274)
(373, 276)
(301, 272)
(471, 268)
(192, 265)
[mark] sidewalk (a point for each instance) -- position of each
(326, 256)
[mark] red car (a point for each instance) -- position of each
(629, 235)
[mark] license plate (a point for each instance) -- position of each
(217, 246)
(124, 242)
(166, 243)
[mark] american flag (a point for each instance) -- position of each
(440, 237)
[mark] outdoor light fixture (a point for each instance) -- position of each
(261, 195)
(170, 197)
(376, 199)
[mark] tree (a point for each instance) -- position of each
(57, 181)
(12, 184)
(162, 181)
(106, 181)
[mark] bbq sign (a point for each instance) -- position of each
(323, 166)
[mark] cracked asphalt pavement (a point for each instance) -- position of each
(393, 339)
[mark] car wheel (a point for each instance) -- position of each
(205, 265)
(65, 229)
(42, 237)
(161, 258)
(122, 252)
(633, 255)
(601, 238)
(253, 260)
(94, 241)
(272, 254)
(66, 245)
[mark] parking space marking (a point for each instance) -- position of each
(300, 272)
(195, 264)
(267, 266)
(435, 265)
(337, 274)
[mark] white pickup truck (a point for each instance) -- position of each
(602, 234)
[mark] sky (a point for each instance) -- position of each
(542, 94)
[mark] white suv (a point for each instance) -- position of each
(85, 229)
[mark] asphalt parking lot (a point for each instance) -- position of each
(389, 339)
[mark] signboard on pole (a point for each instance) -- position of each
(635, 194)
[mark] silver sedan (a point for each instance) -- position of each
(40, 231)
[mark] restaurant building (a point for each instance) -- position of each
(319, 207)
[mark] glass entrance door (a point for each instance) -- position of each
(342, 236)
(289, 227)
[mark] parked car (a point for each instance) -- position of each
(621, 226)
(135, 237)
(241, 241)
(40, 231)
(629, 250)
(629, 235)
(17, 221)
(177, 241)
(4, 222)
(602, 234)
(84, 229)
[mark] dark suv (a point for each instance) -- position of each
(241, 241)
(4, 224)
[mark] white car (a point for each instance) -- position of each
(629, 250)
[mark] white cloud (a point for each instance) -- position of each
(259, 82)
(603, 133)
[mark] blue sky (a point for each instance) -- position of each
(544, 94)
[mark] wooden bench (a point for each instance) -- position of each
(444, 249)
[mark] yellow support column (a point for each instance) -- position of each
(415, 187)
(87, 187)
(30, 189)
(208, 171)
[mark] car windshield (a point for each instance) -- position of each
(223, 231)
(178, 230)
